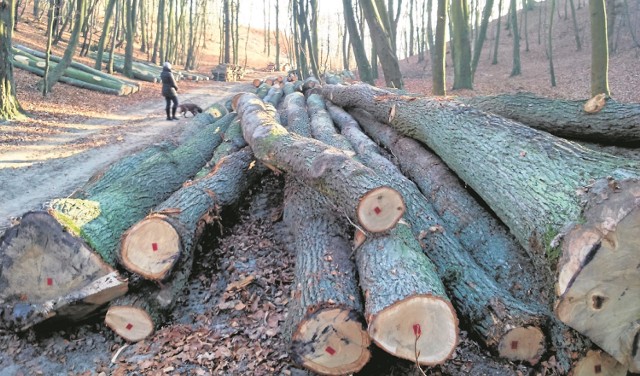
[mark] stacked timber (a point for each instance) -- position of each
(571, 208)
(227, 72)
(69, 253)
(392, 248)
(76, 74)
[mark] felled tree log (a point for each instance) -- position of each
(511, 327)
(616, 124)
(325, 314)
(545, 204)
(151, 247)
(400, 307)
(47, 273)
(352, 187)
(85, 85)
(263, 90)
(481, 234)
(79, 66)
(77, 77)
(172, 231)
(596, 363)
(232, 141)
(325, 323)
(101, 218)
(274, 95)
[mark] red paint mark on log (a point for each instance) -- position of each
(330, 350)
(129, 326)
(377, 210)
(154, 246)
(514, 345)
(417, 330)
(49, 281)
(597, 368)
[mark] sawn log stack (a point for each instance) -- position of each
(412, 219)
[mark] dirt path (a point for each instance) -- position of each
(56, 165)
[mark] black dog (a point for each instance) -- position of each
(189, 107)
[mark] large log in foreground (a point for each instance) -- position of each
(356, 190)
(500, 257)
(616, 124)
(414, 291)
(498, 318)
(408, 312)
(47, 273)
(325, 318)
(486, 239)
(101, 218)
(175, 226)
(542, 204)
(325, 312)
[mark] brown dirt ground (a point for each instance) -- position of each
(73, 133)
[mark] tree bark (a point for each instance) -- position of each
(616, 124)
(364, 68)
(384, 48)
(439, 56)
(497, 328)
(48, 273)
(599, 48)
(551, 186)
(461, 45)
(407, 309)
(325, 319)
(353, 188)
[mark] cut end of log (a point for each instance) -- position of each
(96, 78)
(595, 104)
(423, 329)
(331, 342)
(150, 248)
(599, 273)
(236, 99)
(524, 344)
(380, 209)
(257, 82)
(598, 363)
(131, 323)
(358, 238)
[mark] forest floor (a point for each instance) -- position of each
(73, 133)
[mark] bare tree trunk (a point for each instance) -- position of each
(438, 62)
(552, 73)
(9, 106)
(58, 71)
(497, 42)
(383, 44)
(599, 48)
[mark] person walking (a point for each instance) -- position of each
(169, 91)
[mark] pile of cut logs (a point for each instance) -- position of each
(411, 217)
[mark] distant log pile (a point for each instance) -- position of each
(539, 263)
(76, 74)
(227, 72)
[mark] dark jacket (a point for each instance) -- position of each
(169, 86)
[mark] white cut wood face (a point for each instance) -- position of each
(151, 248)
(43, 272)
(130, 323)
(603, 301)
(598, 363)
(380, 209)
(525, 344)
(340, 344)
(429, 319)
